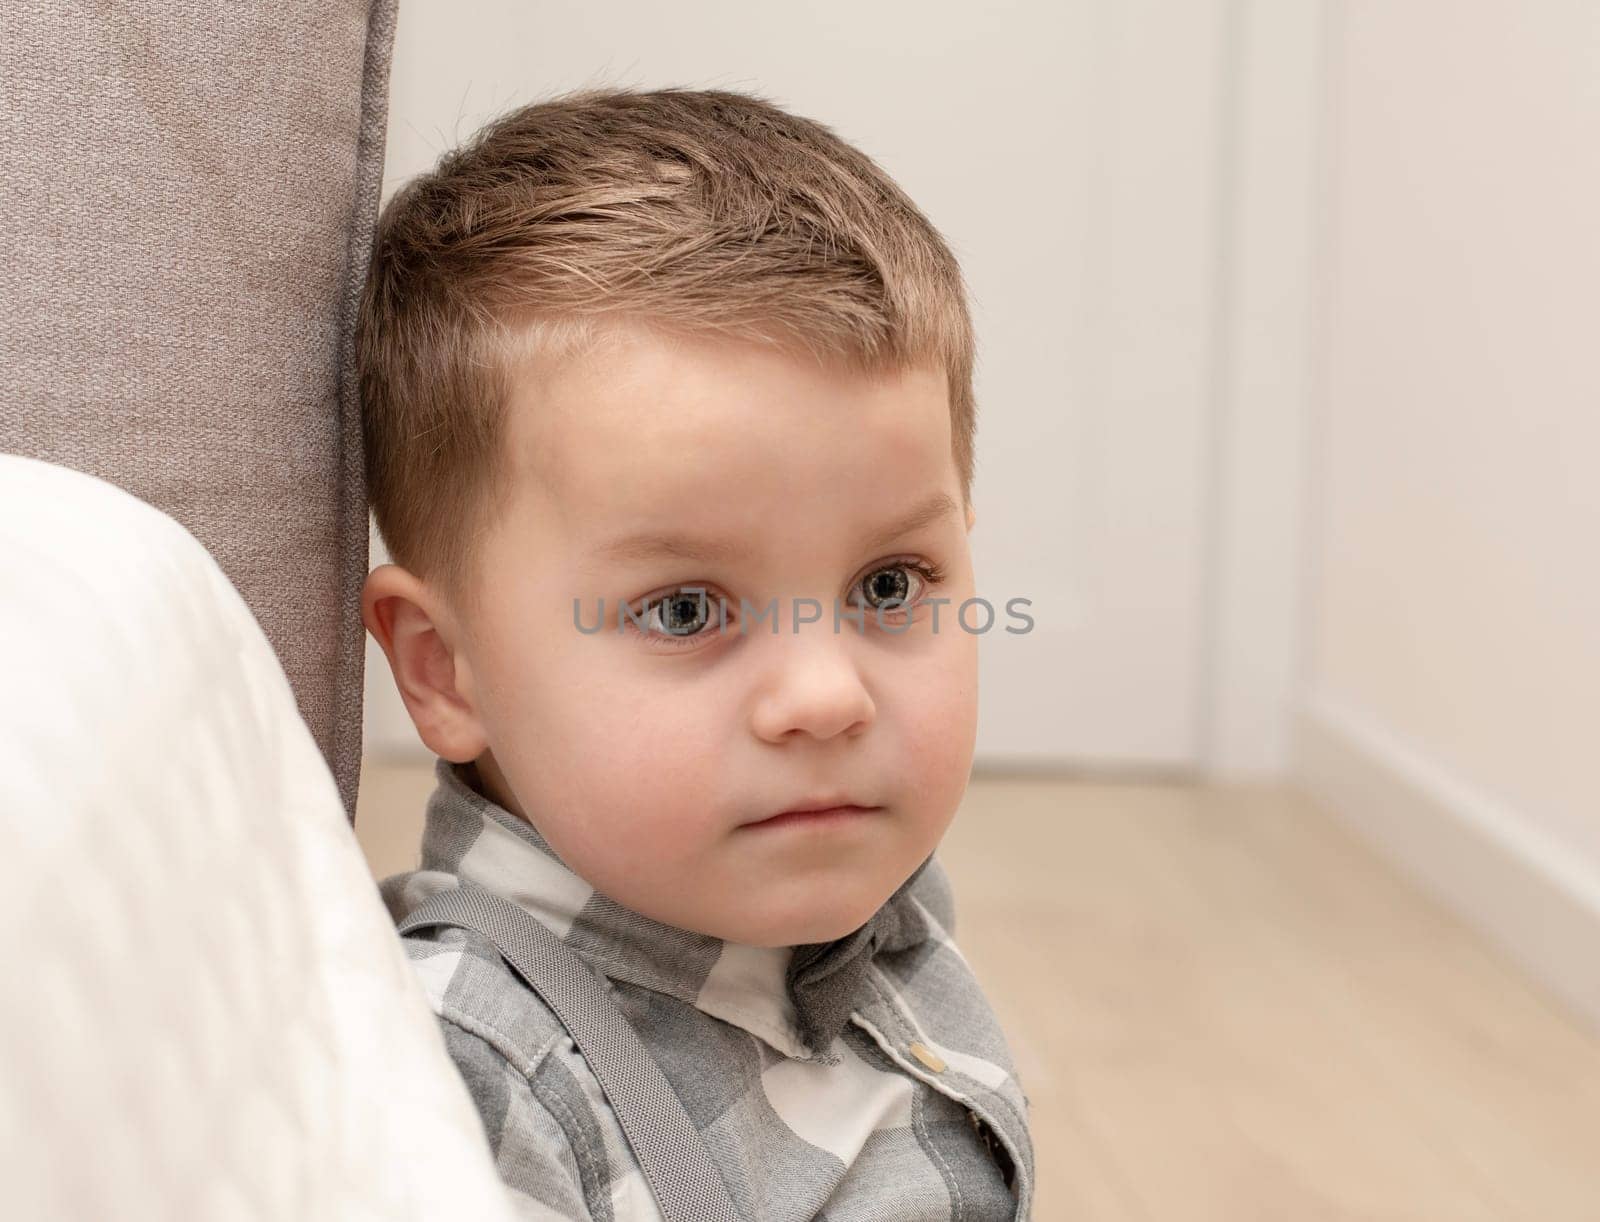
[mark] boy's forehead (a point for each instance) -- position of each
(691, 429)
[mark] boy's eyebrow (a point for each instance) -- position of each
(925, 513)
(650, 545)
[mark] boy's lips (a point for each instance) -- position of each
(814, 812)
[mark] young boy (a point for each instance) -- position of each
(668, 416)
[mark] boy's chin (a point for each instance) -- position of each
(809, 929)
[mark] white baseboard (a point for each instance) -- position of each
(1529, 896)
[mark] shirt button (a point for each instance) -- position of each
(927, 1056)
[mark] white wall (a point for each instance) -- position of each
(1262, 329)
(1452, 664)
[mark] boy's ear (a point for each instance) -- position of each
(430, 670)
(972, 516)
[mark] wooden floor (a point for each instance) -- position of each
(1224, 1007)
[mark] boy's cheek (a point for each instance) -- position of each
(940, 725)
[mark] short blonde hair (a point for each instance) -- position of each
(702, 212)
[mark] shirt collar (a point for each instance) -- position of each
(795, 998)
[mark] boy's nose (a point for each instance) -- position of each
(813, 687)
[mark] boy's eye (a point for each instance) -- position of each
(681, 615)
(887, 584)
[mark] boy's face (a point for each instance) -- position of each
(641, 756)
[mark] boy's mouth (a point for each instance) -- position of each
(814, 815)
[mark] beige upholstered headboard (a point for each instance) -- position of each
(186, 206)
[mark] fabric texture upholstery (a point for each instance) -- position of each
(187, 204)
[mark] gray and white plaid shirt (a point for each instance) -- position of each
(913, 1110)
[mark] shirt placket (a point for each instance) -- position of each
(897, 1036)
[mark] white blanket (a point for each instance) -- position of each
(204, 1010)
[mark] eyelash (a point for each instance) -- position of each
(931, 574)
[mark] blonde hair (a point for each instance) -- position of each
(702, 212)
